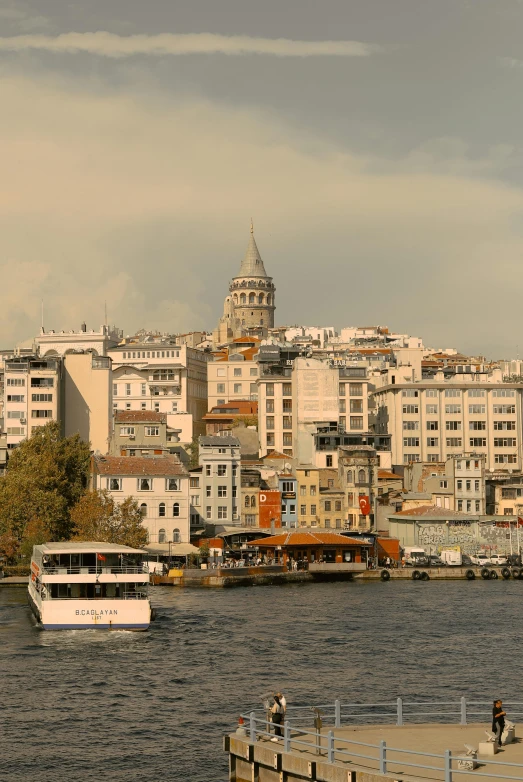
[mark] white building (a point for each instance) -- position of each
(164, 377)
(58, 343)
(160, 484)
(451, 415)
(233, 373)
(220, 460)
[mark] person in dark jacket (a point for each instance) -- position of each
(498, 720)
(277, 718)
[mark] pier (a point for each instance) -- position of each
(404, 740)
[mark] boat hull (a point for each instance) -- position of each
(91, 614)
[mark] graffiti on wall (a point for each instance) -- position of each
(471, 537)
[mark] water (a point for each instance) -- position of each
(82, 705)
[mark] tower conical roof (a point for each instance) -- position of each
(252, 264)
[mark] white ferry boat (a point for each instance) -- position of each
(77, 585)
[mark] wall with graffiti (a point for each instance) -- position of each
(471, 537)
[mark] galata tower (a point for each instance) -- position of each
(252, 292)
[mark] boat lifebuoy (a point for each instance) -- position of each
(385, 575)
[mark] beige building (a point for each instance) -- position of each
(32, 395)
(453, 414)
(58, 343)
(457, 484)
(233, 374)
(87, 392)
(294, 398)
(308, 499)
(161, 376)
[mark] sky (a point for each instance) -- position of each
(376, 144)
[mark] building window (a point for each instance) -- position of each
(361, 476)
(411, 425)
(432, 392)
(222, 491)
(269, 405)
(287, 439)
(341, 389)
(477, 506)
(16, 381)
(172, 484)
(303, 510)
(411, 442)
(208, 512)
(452, 426)
(327, 505)
(504, 442)
(208, 491)
(356, 389)
(476, 392)
(327, 523)
(504, 426)
(287, 422)
(162, 538)
(459, 485)
(222, 511)
(411, 457)
(287, 389)
(504, 409)
(409, 392)
(145, 484)
(356, 422)
(143, 509)
(269, 422)
(176, 509)
(195, 499)
(452, 392)
(152, 431)
(270, 441)
(176, 535)
(476, 409)
(443, 484)
(356, 405)
(478, 442)
(41, 413)
(329, 460)
(127, 389)
(431, 409)
(411, 409)
(505, 458)
(432, 442)
(287, 486)
(503, 392)
(156, 407)
(237, 388)
(161, 509)
(313, 510)
(478, 426)
(432, 426)
(208, 470)
(253, 372)
(194, 483)
(143, 405)
(115, 484)
(476, 485)
(287, 405)
(460, 505)
(452, 409)
(269, 389)
(127, 431)
(222, 470)
(144, 389)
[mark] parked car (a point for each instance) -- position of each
(480, 560)
(435, 561)
(466, 560)
(498, 559)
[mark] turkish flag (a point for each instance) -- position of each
(100, 557)
(364, 505)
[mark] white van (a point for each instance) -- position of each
(451, 557)
(415, 556)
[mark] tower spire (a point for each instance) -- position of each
(252, 227)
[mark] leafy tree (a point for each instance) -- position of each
(98, 517)
(193, 451)
(46, 476)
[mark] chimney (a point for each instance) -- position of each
(84, 328)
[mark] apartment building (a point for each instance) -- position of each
(358, 471)
(139, 433)
(161, 376)
(308, 499)
(160, 484)
(233, 374)
(251, 485)
(220, 460)
(288, 485)
(458, 484)
(295, 394)
(32, 395)
(461, 413)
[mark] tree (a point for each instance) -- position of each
(98, 517)
(193, 449)
(46, 476)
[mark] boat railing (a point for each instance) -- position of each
(46, 595)
(58, 570)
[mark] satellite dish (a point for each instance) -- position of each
(288, 466)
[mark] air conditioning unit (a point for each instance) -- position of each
(132, 437)
(23, 421)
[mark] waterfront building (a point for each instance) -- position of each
(312, 546)
(249, 307)
(154, 373)
(308, 481)
(457, 484)
(270, 509)
(220, 460)
(251, 485)
(160, 484)
(332, 500)
(329, 437)
(58, 343)
(454, 413)
(358, 472)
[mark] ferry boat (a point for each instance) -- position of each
(77, 585)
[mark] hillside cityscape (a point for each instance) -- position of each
(222, 437)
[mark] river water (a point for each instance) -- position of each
(89, 705)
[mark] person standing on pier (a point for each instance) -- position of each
(277, 718)
(498, 720)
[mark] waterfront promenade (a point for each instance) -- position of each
(340, 752)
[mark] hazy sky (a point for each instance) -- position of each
(377, 144)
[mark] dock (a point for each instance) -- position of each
(340, 752)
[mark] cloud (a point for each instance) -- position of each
(110, 45)
(22, 20)
(145, 200)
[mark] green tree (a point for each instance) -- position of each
(46, 476)
(193, 451)
(98, 517)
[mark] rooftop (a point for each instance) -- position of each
(252, 264)
(222, 442)
(87, 547)
(168, 466)
(138, 416)
(301, 538)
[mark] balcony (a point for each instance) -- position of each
(165, 390)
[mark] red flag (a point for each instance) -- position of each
(364, 505)
(100, 557)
